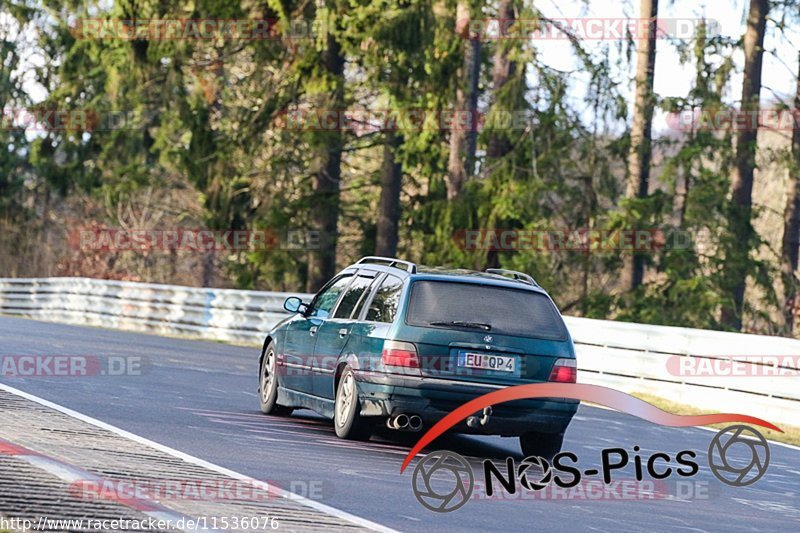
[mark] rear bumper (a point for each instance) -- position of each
(383, 395)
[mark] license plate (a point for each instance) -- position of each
(501, 363)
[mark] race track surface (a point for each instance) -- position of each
(200, 398)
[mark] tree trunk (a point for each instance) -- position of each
(499, 145)
(389, 208)
(213, 170)
(209, 269)
(742, 190)
(791, 225)
(641, 149)
(701, 84)
(324, 215)
(463, 141)
(504, 68)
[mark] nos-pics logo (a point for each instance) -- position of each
(443, 481)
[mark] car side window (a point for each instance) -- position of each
(352, 296)
(324, 301)
(384, 305)
(365, 299)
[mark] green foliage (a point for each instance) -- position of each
(203, 121)
(688, 285)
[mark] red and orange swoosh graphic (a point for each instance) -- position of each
(614, 399)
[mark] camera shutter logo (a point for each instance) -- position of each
(724, 455)
(443, 481)
(539, 463)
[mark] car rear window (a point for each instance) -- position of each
(507, 311)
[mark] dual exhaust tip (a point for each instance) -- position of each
(480, 421)
(404, 422)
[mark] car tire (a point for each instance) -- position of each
(539, 444)
(268, 385)
(347, 420)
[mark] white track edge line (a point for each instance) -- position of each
(332, 511)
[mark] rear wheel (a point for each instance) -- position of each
(539, 444)
(347, 419)
(268, 385)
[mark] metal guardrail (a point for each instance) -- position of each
(625, 356)
(645, 358)
(216, 314)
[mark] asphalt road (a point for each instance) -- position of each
(200, 398)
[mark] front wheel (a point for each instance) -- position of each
(538, 444)
(347, 420)
(268, 385)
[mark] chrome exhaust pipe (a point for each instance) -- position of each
(475, 421)
(414, 422)
(399, 422)
(487, 413)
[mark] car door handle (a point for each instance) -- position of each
(313, 330)
(343, 333)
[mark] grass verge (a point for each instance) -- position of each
(790, 435)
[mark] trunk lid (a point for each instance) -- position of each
(488, 333)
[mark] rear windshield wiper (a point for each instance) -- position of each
(463, 324)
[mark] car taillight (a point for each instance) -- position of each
(564, 371)
(400, 357)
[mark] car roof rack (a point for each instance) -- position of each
(518, 276)
(408, 266)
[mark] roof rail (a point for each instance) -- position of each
(518, 276)
(408, 266)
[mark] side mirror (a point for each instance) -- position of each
(293, 304)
